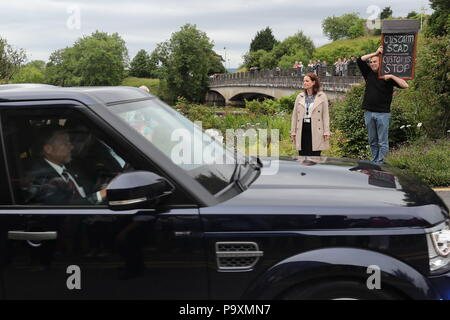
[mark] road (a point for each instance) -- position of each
(444, 193)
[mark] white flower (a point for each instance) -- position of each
(408, 126)
(402, 126)
(419, 124)
(212, 132)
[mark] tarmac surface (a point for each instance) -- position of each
(444, 193)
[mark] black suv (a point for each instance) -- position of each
(101, 199)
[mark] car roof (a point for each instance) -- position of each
(86, 95)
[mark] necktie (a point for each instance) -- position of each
(75, 194)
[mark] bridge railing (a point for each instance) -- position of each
(284, 78)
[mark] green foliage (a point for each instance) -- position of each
(357, 29)
(347, 117)
(287, 103)
(299, 43)
(216, 64)
(96, 60)
(288, 61)
(386, 13)
(294, 48)
(347, 48)
(186, 60)
(264, 40)
(425, 158)
(428, 99)
(346, 26)
(30, 73)
(267, 106)
(412, 15)
(11, 60)
(267, 61)
(253, 58)
(141, 66)
(439, 21)
(151, 84)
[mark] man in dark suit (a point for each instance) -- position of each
(51, 182)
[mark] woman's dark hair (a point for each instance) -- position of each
(315, 78)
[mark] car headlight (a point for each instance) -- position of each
(439, 246)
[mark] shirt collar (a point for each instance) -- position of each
(58, 168)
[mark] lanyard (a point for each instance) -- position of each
(309, 101)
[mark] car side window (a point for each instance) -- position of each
(57, 158)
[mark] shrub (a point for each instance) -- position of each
(347, 117)
(29, 74)
(203, 114)
(287, 103)
(267, 107)
(425, 158)
(427, 101)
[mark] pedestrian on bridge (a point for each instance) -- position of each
(377, 103)
(310, 126)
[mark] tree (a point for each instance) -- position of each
(293, 48)
(386, 13)
(264, 40)
(298, 43)
(32, 72)
(346, 26)
(96, 60)
(10, 60)
(253, 58)
(412, 15)
(439, 22)
(357, 29)
(216, 64)
(140, 66)
(185, 61)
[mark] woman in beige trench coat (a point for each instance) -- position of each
(310, 126)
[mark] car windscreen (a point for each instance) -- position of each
(183, 142)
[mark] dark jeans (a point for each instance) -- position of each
(307, 142)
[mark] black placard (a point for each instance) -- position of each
(398, 55)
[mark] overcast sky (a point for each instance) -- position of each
(43, 26)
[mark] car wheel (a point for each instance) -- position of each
(338, 290)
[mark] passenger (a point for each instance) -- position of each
(145, 88)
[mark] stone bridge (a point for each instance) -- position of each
(233, 88)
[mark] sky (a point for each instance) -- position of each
(41, 27)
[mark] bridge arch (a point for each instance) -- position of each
(215, 98)
(238, 93)
(239, 99)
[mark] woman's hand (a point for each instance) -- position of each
(293, 138)
(326, 137)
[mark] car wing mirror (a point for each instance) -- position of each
(137, 190)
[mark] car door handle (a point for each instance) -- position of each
(32, 236)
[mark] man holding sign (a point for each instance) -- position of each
(377, 103)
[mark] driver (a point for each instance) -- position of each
(51, 181)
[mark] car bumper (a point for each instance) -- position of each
(441, 284)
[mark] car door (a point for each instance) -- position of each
(72, 249)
